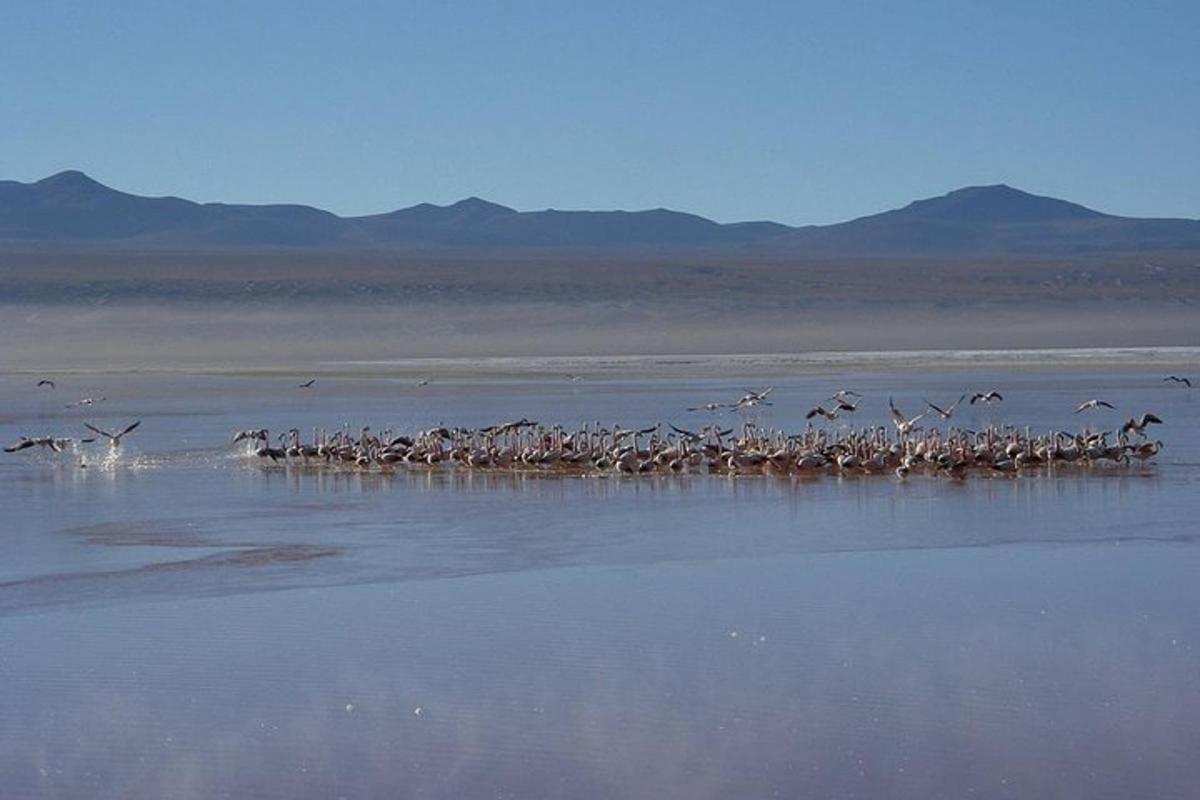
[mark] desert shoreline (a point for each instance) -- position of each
(252, 311)
(674, 366)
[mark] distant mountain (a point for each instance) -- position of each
(71, 208)
(478, 222)
(993, 219)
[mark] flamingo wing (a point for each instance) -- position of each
(100, 431)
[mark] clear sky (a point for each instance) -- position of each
(795, 111)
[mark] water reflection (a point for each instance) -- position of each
(427, 524)
(847, 677)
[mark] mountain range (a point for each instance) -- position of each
(72, 209)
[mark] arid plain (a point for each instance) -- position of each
(72, 309)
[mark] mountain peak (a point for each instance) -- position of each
(478, 204)
(70, 178)
(71, 183)
(995, 203)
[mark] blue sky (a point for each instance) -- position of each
(799, 112)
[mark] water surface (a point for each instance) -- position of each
(182, 622)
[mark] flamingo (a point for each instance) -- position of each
(1093, 404)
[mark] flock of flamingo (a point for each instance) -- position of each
(905, 448)
(596, 449)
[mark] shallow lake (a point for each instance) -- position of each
(182, 621)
